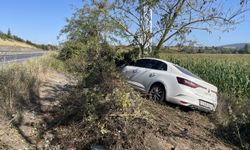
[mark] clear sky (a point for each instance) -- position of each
(239, 35)
(41, 20)
(36, 20)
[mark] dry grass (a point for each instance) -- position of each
(13, 43)
(19, 90)
(20, 82)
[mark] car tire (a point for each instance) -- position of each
(157, 93)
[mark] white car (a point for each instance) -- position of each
(164, 80)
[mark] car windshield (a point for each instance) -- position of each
(185, 71)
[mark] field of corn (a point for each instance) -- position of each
(229, 72)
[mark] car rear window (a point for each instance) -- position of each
(185, 71)
(159, 65)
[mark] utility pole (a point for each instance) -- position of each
(146, 30)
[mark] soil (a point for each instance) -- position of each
(25, 133)
(181, 129)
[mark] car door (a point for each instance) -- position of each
(131, 70)
(152, 69)
(134, 73)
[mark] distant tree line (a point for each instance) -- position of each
(213, 49)
(10, 36)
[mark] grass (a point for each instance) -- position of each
(20, 83)
(13, 43)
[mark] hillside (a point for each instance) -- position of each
(9, 42)
(12, 45)
(234, 46)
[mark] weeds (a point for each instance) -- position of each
(19, 89)
(232, 119)
(20, 84)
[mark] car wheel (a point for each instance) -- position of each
(157, 93)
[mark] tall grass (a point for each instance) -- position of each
(20, 83)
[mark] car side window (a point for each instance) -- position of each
(159, 65)
(151, 64)
(141, 63)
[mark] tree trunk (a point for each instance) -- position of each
(141, 51)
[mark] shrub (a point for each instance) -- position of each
(108, 114)
(71, 49)
(102, 108)
(127, 57)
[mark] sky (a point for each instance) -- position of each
(40, 21)
(241, 34)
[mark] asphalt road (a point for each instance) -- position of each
(12, 57)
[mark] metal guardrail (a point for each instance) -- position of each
(8, 57)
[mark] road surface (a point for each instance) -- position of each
(22, 56)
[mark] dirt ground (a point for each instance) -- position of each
(177, 129)
(173, 128)
(25, 135)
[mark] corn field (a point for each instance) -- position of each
(229, 72)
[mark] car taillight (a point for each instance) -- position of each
(187, 82)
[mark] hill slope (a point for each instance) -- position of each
(12, 43)
(234, 46)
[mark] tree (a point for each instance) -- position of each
(91, 21)
(174, 19)
(9, 33)
(89, 32)
(247, 48)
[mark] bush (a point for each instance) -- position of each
(102, 109)
(71, 49)
(127, 57)
(108, 114)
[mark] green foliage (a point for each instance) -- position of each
(127, 57)
(99, 64)
(4, 36)
(91, 21)
(9, 33)
(71, 49)
(247, 48)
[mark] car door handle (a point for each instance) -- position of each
(152, 74)
(135, 71)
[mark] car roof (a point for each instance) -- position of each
(151, 58)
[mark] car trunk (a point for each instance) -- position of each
(206, 90)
